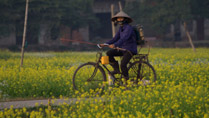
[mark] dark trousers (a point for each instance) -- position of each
(126, 57)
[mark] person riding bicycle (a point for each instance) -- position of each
(125, 38)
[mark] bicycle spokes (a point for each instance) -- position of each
(88, 77)
(92, 75)
(142, 71)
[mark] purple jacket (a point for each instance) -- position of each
(125, 38)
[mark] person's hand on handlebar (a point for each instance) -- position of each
(102, 45)
(107, 45)
(111, 46)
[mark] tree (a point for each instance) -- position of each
(79, 14)
(7, 17)
(200, 11)
(162, 13)
(44, 16)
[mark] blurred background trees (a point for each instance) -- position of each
(161, 14)
(47, 18)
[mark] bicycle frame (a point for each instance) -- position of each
(98, 62)
(97, 71)
(138, 57)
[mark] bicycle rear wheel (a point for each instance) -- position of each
(142, 72)
(89, 77)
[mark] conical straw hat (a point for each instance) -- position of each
(122, 14)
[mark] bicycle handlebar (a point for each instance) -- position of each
(113, 48)
(99, 46)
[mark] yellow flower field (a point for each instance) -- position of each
(181, 90)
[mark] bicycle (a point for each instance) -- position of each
(91, 76)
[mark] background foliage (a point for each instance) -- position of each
(160, 14)
(53, 13)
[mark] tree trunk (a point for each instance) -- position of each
(189, 37)
(200, 28)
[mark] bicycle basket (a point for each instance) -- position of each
(105, 60)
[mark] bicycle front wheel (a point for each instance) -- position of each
(89, 77)
(142, 72)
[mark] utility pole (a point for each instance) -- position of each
(189, 37)
(120, 6)
(24, 33)
(113, 26)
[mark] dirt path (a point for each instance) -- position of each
(35, 103)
